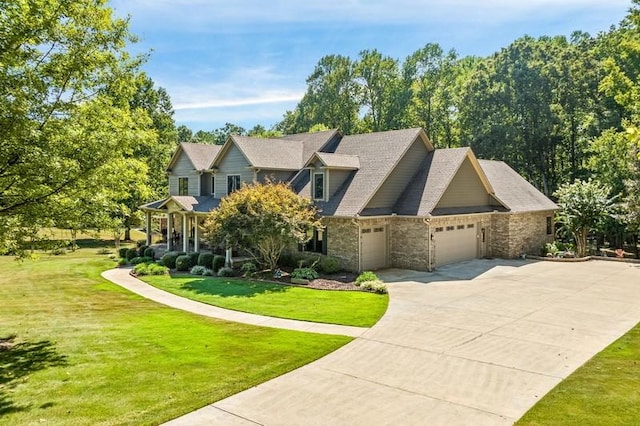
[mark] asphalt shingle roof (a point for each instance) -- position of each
(198, 204)
(513, 190)
(378, 154)
(430, 182)
(339, 161)
(201, 155)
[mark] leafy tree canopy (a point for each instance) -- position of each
(262, 219)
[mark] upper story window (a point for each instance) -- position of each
(233, 183)
(213, 184)
(318, 186)
(183, 186)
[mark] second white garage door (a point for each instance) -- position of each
(374, 248)
(455, 244)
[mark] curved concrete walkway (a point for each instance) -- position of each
(477, 343)
(121, 277)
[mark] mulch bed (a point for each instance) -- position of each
(340, 281)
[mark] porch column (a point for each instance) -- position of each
(185, 233)
(196, 237)
(169, 232)
(148, 228)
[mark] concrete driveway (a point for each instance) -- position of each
(476, 343)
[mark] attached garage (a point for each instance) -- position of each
(373, 247)
(455, 243)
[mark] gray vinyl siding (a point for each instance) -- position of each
(465, 189)
(184, 168)
(336, 179)
(275, 175)
(400, 177)
(233, 163)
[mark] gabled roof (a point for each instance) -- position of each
(335, 161)
(188, 203)
(513, 190)
(429, 184)
(284, 153)
(379, 153)
(200, 154)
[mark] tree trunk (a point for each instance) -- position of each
(127, 233)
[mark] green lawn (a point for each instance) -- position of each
(75, 349)
(604, 391)
(335, 307)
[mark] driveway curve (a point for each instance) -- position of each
(474, 343)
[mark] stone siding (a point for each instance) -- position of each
(514, 234)
(343, 242)
(409, 247)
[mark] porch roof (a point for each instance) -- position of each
(187, 203)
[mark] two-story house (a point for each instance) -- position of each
(387, 199)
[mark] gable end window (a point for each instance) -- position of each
(318, 186)
(183, 186)
(233, 183)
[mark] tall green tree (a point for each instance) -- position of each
(65, 84)
(383, 92)
(584, 206)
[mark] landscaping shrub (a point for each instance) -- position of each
(149, 252)
(205, 259)
(122, 261)
(139, 259)
(218, 262)
(169, 259)
(141, 243)
(150, 269)
(183, 262)
(366, 276)
(248, 269)
(198, 270)
(225, 272)
(376, 286)
(141, 250)
(122, 252)
(194, 257)
(304, 273)
(131, 253)
(288, 259)
(208, 273)
(329, 265)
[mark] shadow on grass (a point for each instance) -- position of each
(17, 361)
(228, 287)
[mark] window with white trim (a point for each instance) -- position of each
(183, 186)
(233, 183)
(318, 186)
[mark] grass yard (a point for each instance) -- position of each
(75, 349)
(334, 307)
(604, 391)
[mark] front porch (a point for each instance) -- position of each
(184, 218)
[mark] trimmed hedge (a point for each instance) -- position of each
(122, 252)
(329, 265)
(218, 262)
(149, 252)
(169, 259)
(206, 259)
(131, 253)
(194, 258)
(183, 262)
(141, 250)
(225, 272)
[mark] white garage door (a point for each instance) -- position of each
(455, 244)
(374, 248)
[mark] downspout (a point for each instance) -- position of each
(255, 174)
(357, 224)
(427, 221)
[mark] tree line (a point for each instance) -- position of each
(86, 135)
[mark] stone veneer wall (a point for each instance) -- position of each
(409, 244)
(517, 233)
(343, 242)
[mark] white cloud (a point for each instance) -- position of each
(265, 98)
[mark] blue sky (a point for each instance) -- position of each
(246, 61)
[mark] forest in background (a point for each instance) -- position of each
(86, 134)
